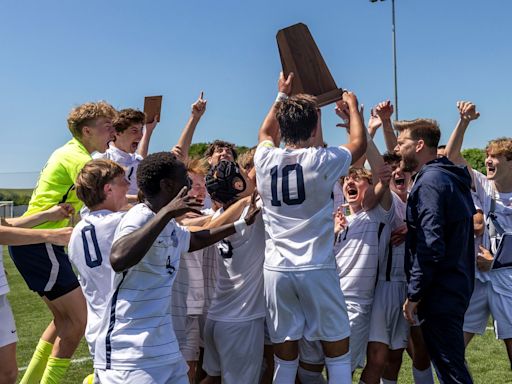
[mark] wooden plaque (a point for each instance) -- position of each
(152, 108)
(300, 55)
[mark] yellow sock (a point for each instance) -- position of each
(55, 370)
(89, 379)
(37, 363)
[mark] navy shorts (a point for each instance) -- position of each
(45, 268)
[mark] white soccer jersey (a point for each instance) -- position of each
(89, 251)
(296, 187)
(392, 263)
(138, 331)
(129, 161)
(358, 250)
(501, 279)
(239, 289)
(4, 286)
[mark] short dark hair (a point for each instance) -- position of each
(220, 144)
(424, 129)
(391, 157)
(155, 167)
(127, 117)
(93, 177)
(297, 117)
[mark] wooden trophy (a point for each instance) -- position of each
(300, 55)
(152, 108)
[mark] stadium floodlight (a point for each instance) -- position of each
(393, 29)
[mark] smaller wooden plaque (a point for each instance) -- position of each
(152, 108)
(300, 55)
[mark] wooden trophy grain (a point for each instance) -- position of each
(152, 108)
(300, 55)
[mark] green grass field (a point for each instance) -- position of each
(486, 356)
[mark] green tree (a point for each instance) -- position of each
(198, 149)
(476, 158)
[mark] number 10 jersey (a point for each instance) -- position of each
(296, 187)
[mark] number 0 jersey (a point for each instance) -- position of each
(89, 251)
(296, 189)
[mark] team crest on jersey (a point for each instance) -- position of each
(225, 249)
(174, 239)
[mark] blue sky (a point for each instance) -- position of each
(59, 54)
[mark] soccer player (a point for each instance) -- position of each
(101, 185)
(16, 231)
(234, 329)
(440, 244)
(136, 342)
(302, 291)
(492, 294)
(124, 150)
(45, 268)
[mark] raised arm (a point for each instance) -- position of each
(357, 143)
(182, 148)
(467, 113)
(269, 130)
(384, 110)
(143, 147)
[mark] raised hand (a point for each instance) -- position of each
(284, 85)
(340, 220)
(384, 174)
(384, 110)
(467, 110)
(60, 212)
(342, 111)
(182, 204)
(250, 217)
(199, 107)
(374, 122)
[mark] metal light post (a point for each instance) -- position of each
(393, 30)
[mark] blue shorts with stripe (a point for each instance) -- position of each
(45, 268)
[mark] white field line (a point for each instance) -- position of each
(80, 360)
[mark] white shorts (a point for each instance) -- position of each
(175, 373)
(359, 315)
(190, 350)
(234, 350)
(8, 334)
(306, 304)
(388, 324)
(484, 302)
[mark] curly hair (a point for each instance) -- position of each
(246, 160)
(297, 117)
(86, 114)
(155, 167)
(391, 157)
(424, 129)
(500, 146)
(93, 177)
(220, 144)
(127, 117)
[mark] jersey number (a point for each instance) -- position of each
(89, 233)
(301, 192)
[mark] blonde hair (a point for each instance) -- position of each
(500, 146)
(362, 173)
(86, 114)
(246, 159)
(93, 177)
(197, 166)
(424, 129)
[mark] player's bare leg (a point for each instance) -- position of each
(8, 368)
(310, 373)
(467, 338)
(286, 360)
(377, 357)
(508, 344)
(393, 366)
(422, 370)
(268, 357)
(211, 380)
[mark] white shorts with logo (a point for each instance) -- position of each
(8, 334)
(484, 302)
(234, 350)
(388, 324)
(306, 304)
(175, 373)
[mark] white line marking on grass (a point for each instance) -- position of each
(489, 328)
(80, 360)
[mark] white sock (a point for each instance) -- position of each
(386, 381)
(312, 377)
(339, 368)
(285, 371)
(423, 377)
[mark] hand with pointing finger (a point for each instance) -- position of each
(199, 107)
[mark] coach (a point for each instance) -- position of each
(440, 247)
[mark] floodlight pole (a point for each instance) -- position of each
(395, 77)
